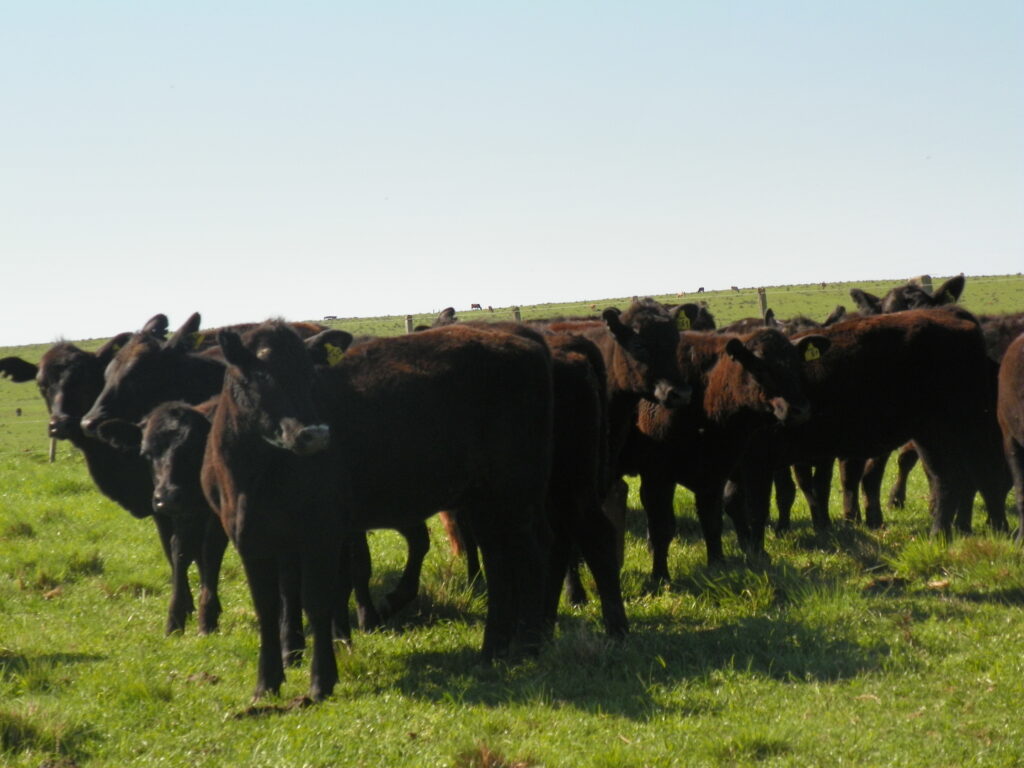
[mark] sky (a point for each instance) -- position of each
(256, 159)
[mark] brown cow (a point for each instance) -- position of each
(1011, 421)
(453, 418)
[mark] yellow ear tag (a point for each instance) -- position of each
(683, 322)
(197, 340)
(334, 354)
(811, 352)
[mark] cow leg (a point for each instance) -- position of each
(362, 568)
(181, 558)
(597, 541)
(1015, 458)
(573, 587)
(262, 574)
(559, 553)
(709, 514)
(804, 475)
(785, 496)
(417, 540)
(657, 495)
(905, 461)
(871, 485)
(319, 585)
(851, 470)
(215, 543)
(756, 481)
(821, 491)
(292, 639)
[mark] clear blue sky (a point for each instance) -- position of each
(249, 159)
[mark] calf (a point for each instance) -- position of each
(454, 418)
(1011, 421)
(172, 439)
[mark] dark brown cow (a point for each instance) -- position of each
(454, 418)
(1011, 421)
(741, 384)
(910, 295)
(920, 375)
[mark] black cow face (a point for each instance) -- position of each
(776, 364)
(648, 335)
(145, 372)
(270, 382)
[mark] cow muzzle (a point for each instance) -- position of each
(304, 440)
(789, 412)
(671, 395)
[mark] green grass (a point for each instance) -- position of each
(852, 648)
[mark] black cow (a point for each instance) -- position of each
(454, 418)
(920, 375)
(69, 380)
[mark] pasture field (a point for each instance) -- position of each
(855, 647)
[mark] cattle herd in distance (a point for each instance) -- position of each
(292, 440)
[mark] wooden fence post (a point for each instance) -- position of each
(53, 449)
(763, 299)
(408, 323)
(517, 314)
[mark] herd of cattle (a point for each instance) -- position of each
(293, 440)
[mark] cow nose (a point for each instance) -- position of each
(58, 428)
(312, 439)
(672, 395)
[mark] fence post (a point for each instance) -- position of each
(763, 299)
(408, 323)
(53, 449)
(517, 314)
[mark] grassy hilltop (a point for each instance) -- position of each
(866, 648)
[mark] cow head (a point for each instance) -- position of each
(776, 364)
(910, 295)
(145, 371)
(69, 379)
(269, 384)
(647, 337)
(171, 439)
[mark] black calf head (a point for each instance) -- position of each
(172, 439)
(776, 365)
(148, 371)
(269, 383)
(647, 335)
(910, 295)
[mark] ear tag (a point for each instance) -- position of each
(683, 322)
(811, 352)
(198, 339)
(334, 354)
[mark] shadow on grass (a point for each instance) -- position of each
(17, 665)
(588, 671)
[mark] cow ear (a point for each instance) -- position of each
(18, 370)
(769, 318)
(106, 353)
(868, 303)
(837, 314)
(737, 351)
(328, 347)
(121, 434)
(157, 326)
(949, 292)
(234, 351)
(685, 316)
(187, 338)
(811, 348)
(622, 332)
(446, 317)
